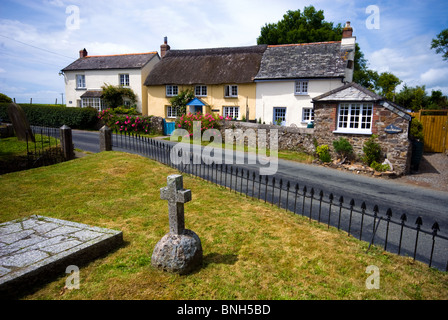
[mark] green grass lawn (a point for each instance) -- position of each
(11, 147)
(251, 250)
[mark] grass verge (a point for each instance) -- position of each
(251, 250)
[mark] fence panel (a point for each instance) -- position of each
(435, 129)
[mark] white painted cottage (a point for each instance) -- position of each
(290, 76)
(85, 77)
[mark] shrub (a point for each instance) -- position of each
(114, 96)
(372, 151)
(323, 152)
(126, 110)
(416, 130)
(5, 98)
(343, 147)
(208, 121)
(379, 167)
(54, 116)
(126, 123)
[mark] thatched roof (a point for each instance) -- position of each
(119, 61)
(306, 60)
(207, 66)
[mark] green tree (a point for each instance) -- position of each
(440, 44)
(300, 27)
(437, 100)
(310, 26)
(386, 84)
(180, 101)
(114, 96)
(414, 98)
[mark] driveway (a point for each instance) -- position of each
(433, 173)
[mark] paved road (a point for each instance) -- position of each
(431, 205)
(401, 198)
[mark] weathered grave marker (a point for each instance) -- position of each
(20, 122)
(180, 250)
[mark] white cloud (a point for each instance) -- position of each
(435, 76)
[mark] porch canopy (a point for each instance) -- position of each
(196, 105)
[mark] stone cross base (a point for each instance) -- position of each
(178, 253)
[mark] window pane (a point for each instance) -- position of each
(343, 116)
(354, 116)
(234, 90)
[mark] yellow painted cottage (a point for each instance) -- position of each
(221, 78)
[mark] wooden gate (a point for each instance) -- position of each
(435, 129)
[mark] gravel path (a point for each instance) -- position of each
(433, 172)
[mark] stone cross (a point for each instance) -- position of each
(176, 196)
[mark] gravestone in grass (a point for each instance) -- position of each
(180, 250)
(20, 123)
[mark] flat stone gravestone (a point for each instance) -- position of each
(20, 122)
(180, 250)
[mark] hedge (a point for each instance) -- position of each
(54, 116)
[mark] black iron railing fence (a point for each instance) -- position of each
(398, 236)
(46, 150)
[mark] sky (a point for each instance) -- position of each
(38, 38)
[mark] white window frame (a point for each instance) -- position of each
(171, 112)
(355, 118)
(172, 90)
(233, 112)
(200, 91)
(96, 103)
(307, 115)
(231, 91)
(80, 81)
(301, 87)
(123, 78)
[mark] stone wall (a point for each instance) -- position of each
(157, 124)
(289, 138)
(396, 147)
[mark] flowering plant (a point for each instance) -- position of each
(208, 121)
(126, 123)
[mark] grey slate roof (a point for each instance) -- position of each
(207, 66)
(307, 60)
(349, 92)
(120, 61)
(353, 92)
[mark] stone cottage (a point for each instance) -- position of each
(356, 113)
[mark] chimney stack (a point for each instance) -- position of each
(83, 53)
(164, 47)
(347, 32)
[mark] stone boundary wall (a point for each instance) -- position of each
(397, 148)
(289, 138)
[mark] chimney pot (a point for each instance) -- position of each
(164, 47)
(347, 32)
(83, 53)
